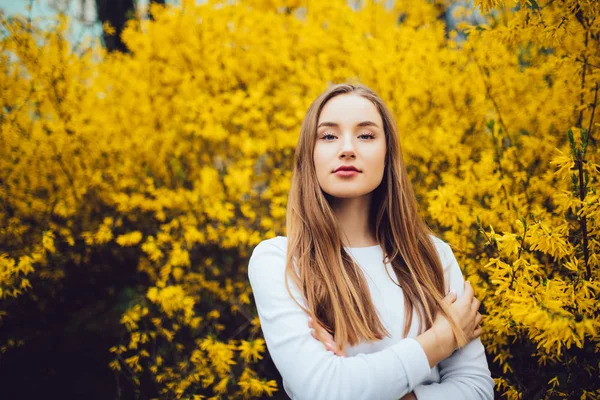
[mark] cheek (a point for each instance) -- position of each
(316, 160)
(378, 159)
(382, 159)
(319, 159)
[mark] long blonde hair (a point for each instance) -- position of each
(334, 288)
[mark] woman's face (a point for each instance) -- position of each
(349, 133)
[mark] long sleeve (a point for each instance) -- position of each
(310, 371)
(465, 374)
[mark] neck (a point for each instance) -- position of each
(353, 220)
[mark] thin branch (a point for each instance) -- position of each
(590, 125)
(583, 73)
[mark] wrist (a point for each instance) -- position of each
(445, 337)
(436, 347)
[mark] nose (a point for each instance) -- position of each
(347, 151)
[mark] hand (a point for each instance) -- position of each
(409, 396)
(321, 334)
(467, 317)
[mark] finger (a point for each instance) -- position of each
(466, 298)
(450, 297)
(315, 333)
(475, 306)
(323, 334)
(468, 293)
(478, 319)
(326, 336)
(477, 332)
(318, 334)
(333, 346)
(316, 327)
(325, 342)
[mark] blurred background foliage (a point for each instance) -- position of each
(136, 178)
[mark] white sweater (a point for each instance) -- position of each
(381, 370)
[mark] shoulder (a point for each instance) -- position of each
(443, 249)
(268, 258)
(267, 273)
(453, 276)
(277, 243)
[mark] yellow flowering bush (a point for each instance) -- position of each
(172, 162)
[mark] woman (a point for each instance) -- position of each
(391, 314)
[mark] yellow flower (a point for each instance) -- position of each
(251, 350)
(108, 28)
(48, 242)
(129, 239)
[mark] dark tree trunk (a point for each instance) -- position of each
(115, 12)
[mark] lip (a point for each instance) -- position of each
(346, 172)
(346, 168)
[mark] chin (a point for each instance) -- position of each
(347, 193)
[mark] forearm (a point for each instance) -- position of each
(313, 373)
(463, 375)
(468, 388)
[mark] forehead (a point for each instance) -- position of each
(349, 109)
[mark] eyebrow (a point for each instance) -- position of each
(360, 124)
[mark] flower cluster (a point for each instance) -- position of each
(173, 161)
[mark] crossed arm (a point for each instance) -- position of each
(310, 371)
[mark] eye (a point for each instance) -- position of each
(326, 135)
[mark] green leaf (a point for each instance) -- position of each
(572, 141)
